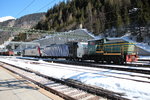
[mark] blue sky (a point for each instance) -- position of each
(18, 8)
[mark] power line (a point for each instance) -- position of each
(45, 6)
(25, 7)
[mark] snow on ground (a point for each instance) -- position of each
(145, 57)
(130, 67)
(144, 46)
(131, 89)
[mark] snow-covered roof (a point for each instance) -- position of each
(78, 35)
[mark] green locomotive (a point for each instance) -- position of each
(116, 51)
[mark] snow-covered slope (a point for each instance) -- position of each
(144, 48)
(2, 19)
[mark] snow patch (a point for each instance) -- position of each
(2, 19)
(144, 46)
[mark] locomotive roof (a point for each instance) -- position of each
(116, 40)
(108, 40)
(98, 39)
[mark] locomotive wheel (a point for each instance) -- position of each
(116, 60)
(96, 61)
(109, 61)
(119, 60)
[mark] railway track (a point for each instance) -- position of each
(100, 72)
(144, 64)
(140, 63)
(113, 73)
(68, 89)
(104, 66)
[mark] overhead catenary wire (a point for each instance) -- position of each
(25, 8)
(45, 6)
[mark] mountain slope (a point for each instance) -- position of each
(97, 15)
(27, 21)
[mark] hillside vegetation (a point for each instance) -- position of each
(97, 15)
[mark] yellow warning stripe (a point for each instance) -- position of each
(99, 51)
(117, 44)
(112, 53)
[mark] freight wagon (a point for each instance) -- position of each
(69, 51)
(7, 53)
(32, 52)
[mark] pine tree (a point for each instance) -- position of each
(97, 15)
(89, 12)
